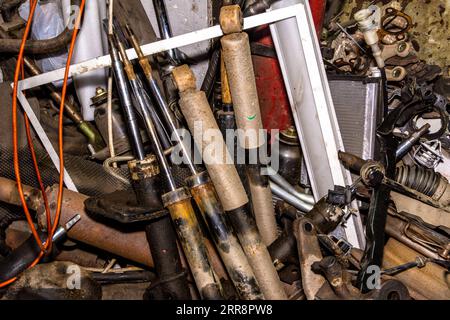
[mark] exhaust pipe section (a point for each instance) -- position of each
(197, 112)
(129, 245)
(239, 67)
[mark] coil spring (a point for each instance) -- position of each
(423, 180)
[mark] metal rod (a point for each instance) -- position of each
(289, 198)
(126, 102)
(158, 148)
(409, 143)
(162, 132)
(156, 91)
(283, 183)
(164, 25)
(85, 128)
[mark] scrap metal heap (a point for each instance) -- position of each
(182, 194)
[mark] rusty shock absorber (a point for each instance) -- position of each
(178, 202)
(206, 198)
(162, 239)
(239, 67)
(196, 110)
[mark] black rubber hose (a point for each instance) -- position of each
(47, 46)
(19, 260)
(213, 69)
(257, 7)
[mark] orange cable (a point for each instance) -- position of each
(38, 174)
(33, 5)
(61, 120)
(19, 67)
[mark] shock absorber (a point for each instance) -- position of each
(173, 57)
(197, 112)
(178, 202)
(162, 238)
(226, 117)
(238, 63)
(206, 198)
(146, 109)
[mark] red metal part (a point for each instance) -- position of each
(318, 8)
(274, 102)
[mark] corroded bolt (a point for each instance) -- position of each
(396, 73)
(231, 19)
(402, 47)
(184, 78)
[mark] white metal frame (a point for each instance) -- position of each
(300, 12)
(315, 117)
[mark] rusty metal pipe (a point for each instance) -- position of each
(130, 245)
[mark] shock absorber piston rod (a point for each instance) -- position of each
(178, 202)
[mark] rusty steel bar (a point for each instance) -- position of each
(130, 245)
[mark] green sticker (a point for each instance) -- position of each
(251, 118)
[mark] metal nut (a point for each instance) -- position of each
(372, 173)
(184, 78)
(231, 19)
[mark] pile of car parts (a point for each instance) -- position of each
(192, 199)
